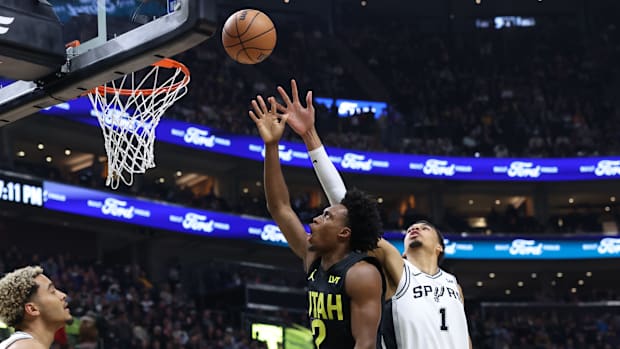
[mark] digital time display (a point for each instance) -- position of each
(22, 191)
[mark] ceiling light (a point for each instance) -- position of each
(534, 275)
(520, 283)
(380, 200)
(48, 159)
(491, 275)
(479, 283)
(580, 282)
(178, 173)
(559, 274)
(571, 200)
(588, 273)
(21, 153)
(497, 202)
(573, 290)
(471, 202)
(246, 190)
(67, 152)
(507, 292)
(161, 180)
(40, 146)
(612, 199)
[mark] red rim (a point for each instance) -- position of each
(167, 63)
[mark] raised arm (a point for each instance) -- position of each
(363, 285)
(270, 126)
(301, 120)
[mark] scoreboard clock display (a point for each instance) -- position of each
(20, 190)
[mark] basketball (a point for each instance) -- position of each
(249, 36)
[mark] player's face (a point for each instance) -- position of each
(421, 234)
(51, 303)
(325, 228)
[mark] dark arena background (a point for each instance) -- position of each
(498, 120)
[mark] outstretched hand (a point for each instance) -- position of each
(300, 118)
(269, 123)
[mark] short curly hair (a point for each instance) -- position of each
(364, 220)
(16, 288)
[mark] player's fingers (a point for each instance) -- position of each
(253, 116)
(310, 100)
(263, 106)
(294, 91)
(283, 118)
(285, 97)
(272, 102)
(280, 107)
(256, 108)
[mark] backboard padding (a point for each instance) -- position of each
(190, 25)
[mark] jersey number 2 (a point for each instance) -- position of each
(443, 326)
(319, 331)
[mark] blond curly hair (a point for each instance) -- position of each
(16, 288)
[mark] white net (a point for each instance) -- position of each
(129, 110)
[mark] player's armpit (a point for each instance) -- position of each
(392, 262)
(461, 293)
(363, 284)
(463, 301)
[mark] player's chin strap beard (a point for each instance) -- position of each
(415, 243)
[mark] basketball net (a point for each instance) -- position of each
(129, 109)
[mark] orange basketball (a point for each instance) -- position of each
(249, 36)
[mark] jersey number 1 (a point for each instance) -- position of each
(443, 326)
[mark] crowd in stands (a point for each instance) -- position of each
(121, 306)
(510, 327)
(118, 306)
(535, 93)
(544, 92)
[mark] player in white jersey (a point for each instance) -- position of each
(426, 304)
(17, 336)
(426, 310)
(31, 304)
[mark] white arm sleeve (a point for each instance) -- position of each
(328, 175)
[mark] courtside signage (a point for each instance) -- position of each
(582, 247)
(158, 215)
(204, 138)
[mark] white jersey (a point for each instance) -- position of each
(19, 335)
(426, 313)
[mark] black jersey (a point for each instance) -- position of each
(329, 306)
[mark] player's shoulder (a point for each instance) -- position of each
(28, 343)
(451, 278)
(362, 278)
(365, 265)
(363, 269)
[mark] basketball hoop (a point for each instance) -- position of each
(129, 109)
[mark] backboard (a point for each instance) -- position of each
(116, 37)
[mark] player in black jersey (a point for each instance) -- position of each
(345, 287)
